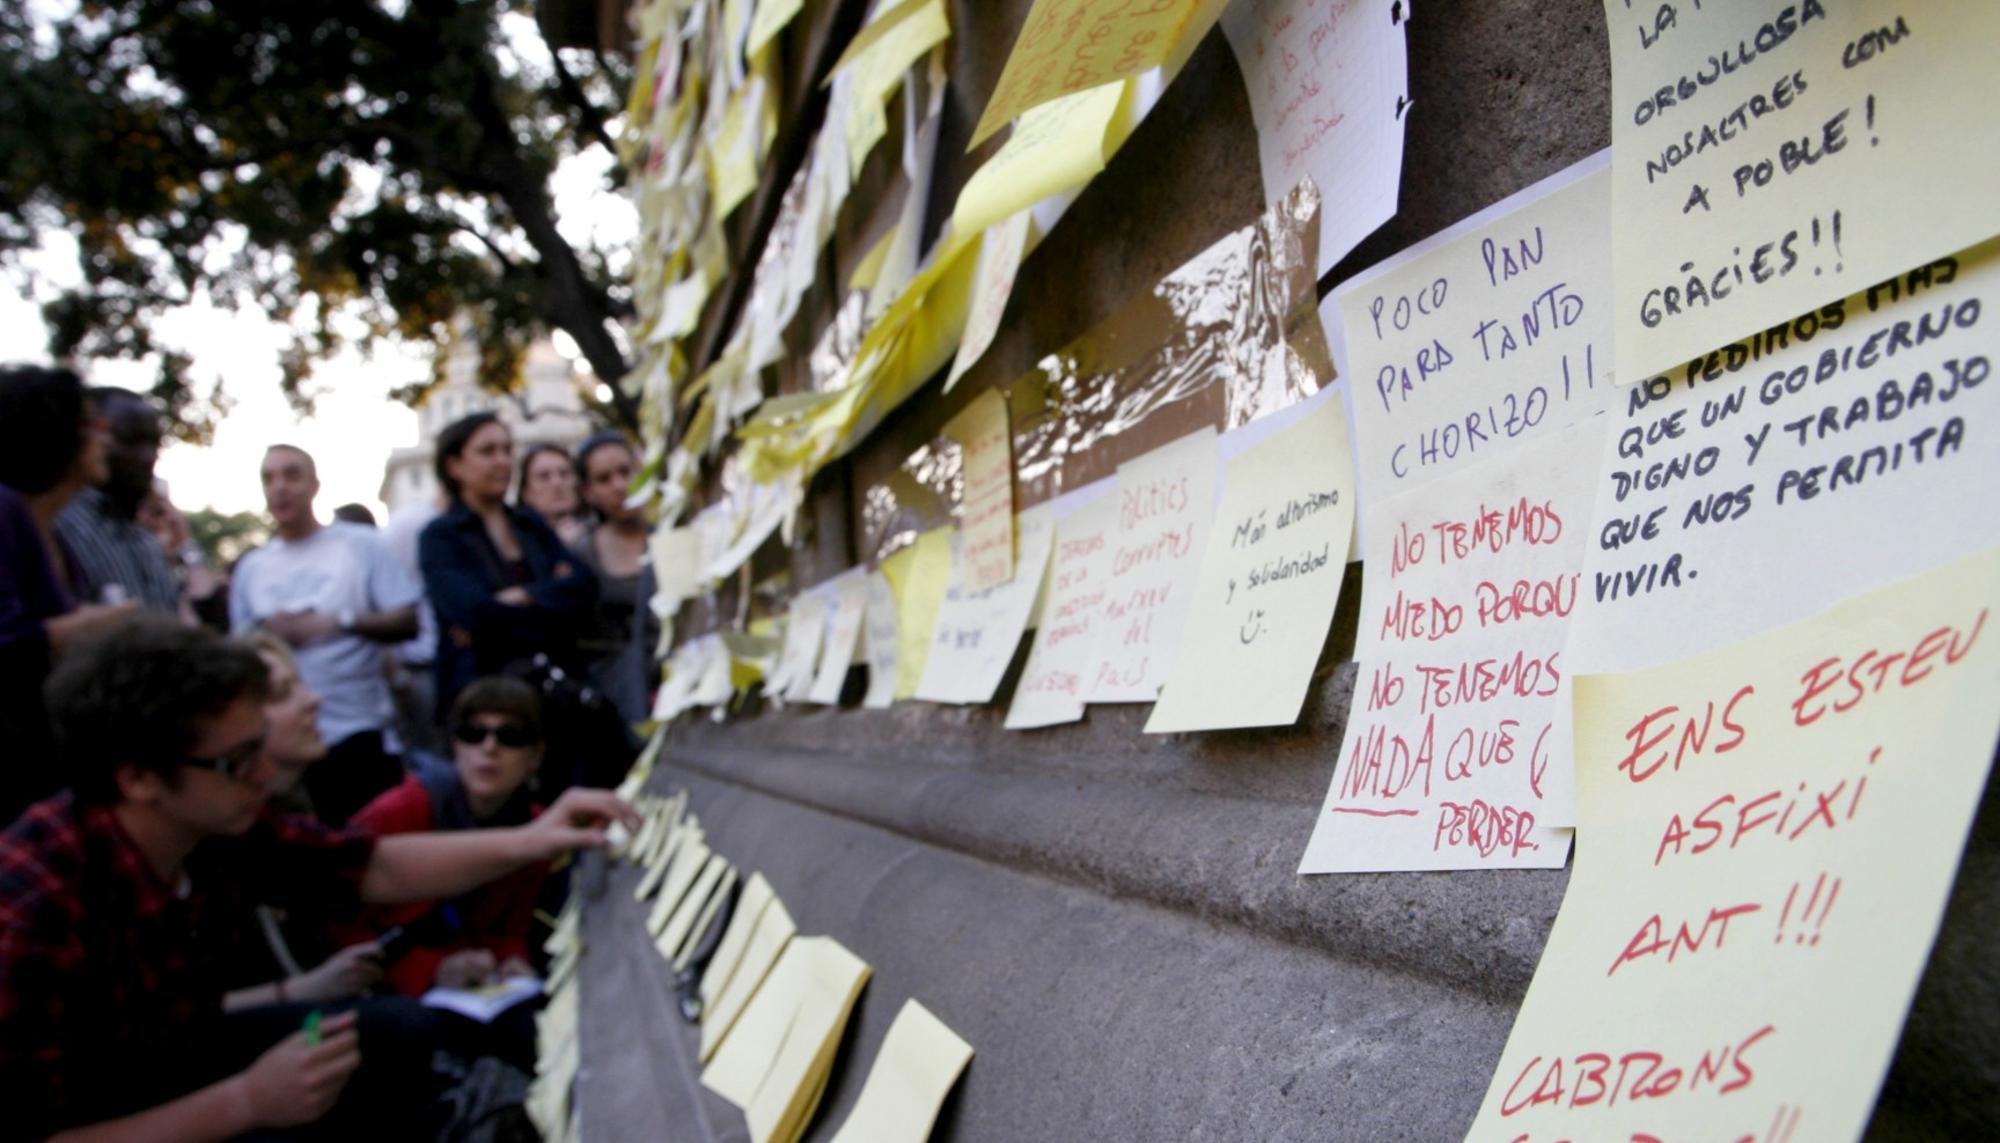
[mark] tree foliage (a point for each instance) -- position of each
(226, 537)
(342, 165)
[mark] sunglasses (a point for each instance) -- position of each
(507, 734)
(237, 765)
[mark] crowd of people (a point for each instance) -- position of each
(258, 813)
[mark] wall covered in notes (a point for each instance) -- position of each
(1308, 906)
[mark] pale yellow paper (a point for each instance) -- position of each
(918, 1062)
(977, 631)
(1784, 954)
(687, 867)
(1000, 252)
(1269, 580)
(790, 1091)
(668, 939)
(722, 966)
(732, 153)
(986, 509)
(774, 929)
(769, 19)
(1055, 679)
(1066, 46)
(843, 630)
(1881, 110)
(662, 862)
(918, 575)
(1166, 509)
(885, 50)
(746, 1054)
(1054, 148)
(690, 942)
(1481, 337)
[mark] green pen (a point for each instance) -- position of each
(312, 1028)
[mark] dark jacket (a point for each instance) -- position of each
(30, 593)
(478, 635)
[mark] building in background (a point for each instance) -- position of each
(548, 409)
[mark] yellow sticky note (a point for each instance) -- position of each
(1000, 253)
(917, 575)
(986, 509)
(1766, 159)
(681, 920)
(866, 270)
(1767, 836)
(790, 1091)
(919, 1060)
(733, 154)
(765, 24)
(688, 865)
(884, 50)
(1057, 147)
(1066, 46)
(976, 632)
(773, 932)
(1269, 580)
(746, 1054)
(690, 942)
(722, 966)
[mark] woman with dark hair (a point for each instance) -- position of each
(496, 748)
(548, 485)
(621, 643)
(505, 588)
(52, 446)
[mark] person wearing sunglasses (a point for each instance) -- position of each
(120, 897)
(496, 750)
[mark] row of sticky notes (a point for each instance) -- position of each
(775, 1003)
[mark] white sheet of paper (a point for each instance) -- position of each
(1770, 480)
(1166, 506)
(977, 631)
(879, 639)
(1482, 336)
(1329, 87)
(1456, 754)
(843, 631)
(1053, 683)
(1269, 580)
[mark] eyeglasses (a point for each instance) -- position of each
(506, 733)
(237, 765)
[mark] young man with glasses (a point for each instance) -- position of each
(117, 896)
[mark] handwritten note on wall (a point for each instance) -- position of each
(1066, 46)
(1774, 477)
(1056, 679)
(918, 576)
(1000, 252)
(1482, 337)
(977, 630)
(1768, 832)
(1328, 83)
(843, 629)
(879, 638)
(1166, 504)
(1773, 157)
(1269, 580)
(986, 511)
(1456, 751)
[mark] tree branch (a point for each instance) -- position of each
(589, 117)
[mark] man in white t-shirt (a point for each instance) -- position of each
(337, 596)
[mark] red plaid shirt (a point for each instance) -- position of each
(109, 980)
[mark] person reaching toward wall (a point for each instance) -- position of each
(116, 898)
